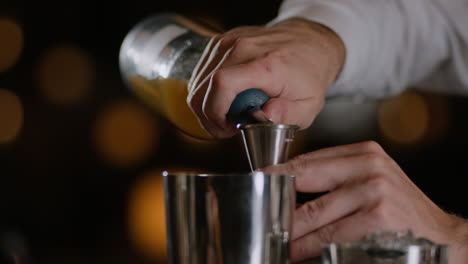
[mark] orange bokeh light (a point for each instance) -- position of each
(11, 43)
(147, 215)
(66, 74)
(11, 116)
(125, 134)
(147, 222)
(404, 119)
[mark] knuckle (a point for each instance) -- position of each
(380, 215)
(312, 209)
(378, 186)
(374, 161)
(280, 55)
(277, 53)
(271, 59)
(240, 30)
(241, 47)
(371, 147)
(326, 234)
(244, 43)
(263, 65)
(298, 164)
(218, 79)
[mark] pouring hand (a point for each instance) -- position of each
(293, 62)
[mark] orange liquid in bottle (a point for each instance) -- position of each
(168, 97)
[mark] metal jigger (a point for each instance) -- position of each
(267, 143)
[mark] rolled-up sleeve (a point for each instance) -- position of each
(394, 44)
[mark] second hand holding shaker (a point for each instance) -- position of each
(157, 59)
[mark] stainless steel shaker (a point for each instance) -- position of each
(229, 219)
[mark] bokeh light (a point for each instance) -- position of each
(65, 73)
(11, 43)
(147, 223)
(11, 116)
(147, 216)
(404, 119)
(125, 133)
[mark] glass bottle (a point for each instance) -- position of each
(156, 60)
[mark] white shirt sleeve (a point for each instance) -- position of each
(394, 44)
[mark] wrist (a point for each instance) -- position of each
(337, 50)
(330, 42)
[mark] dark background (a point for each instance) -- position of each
(61, 201)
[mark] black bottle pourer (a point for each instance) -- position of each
(247, 108)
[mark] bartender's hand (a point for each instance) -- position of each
(368, 192)
(293, 62)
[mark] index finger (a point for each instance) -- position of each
(228, 82)
(327, 174)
